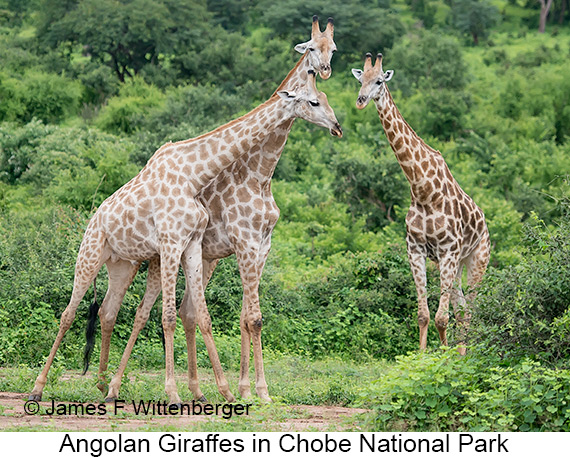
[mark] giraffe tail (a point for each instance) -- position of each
(90, 330)
(162, 340)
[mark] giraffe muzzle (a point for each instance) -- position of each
(361, 101)
(325, 71)
(336, 130)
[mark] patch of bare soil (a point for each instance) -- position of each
(13, 414)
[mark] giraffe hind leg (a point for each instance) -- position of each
(476, 265)
(143, 312)
(92, 254)
(121, 275)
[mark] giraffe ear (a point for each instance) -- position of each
(357, 73)
(388, 75)
(302, 47)
(287, 94)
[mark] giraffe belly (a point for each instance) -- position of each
(216, 243)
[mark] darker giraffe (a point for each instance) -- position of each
(443, 223)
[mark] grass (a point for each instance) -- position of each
(293, 380)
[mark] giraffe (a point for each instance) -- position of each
(443, 223)
(157, 215)
(242, 214)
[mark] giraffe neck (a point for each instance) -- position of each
(197, 161)
(261, 162)
(418, 161)
(297, 76)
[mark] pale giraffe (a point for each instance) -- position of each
(156, 214)
(443, 223)
(242, 214)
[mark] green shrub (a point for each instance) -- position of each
(18, 146)
(442, 391)
(36, 277)
(524, 310)
(125, 112)
(76, 166)
(426, 60)
(36, 94)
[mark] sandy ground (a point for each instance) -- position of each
(14, 415)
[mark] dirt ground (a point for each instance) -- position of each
(299, 418)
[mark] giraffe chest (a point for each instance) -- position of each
(244, 214)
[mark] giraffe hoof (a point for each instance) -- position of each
(103, 388)
(35, 397)
(110, 399)
(203, 399)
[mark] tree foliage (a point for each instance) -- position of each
(126, 35)
(473, 17)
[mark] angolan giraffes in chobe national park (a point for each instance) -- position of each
(242, 214)
(157, 215)
(443, 222)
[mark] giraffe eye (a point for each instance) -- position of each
(379, 82)
(313, 103)
(311, 49)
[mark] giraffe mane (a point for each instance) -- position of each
(270, 100)
(402, 119)
(290, 74)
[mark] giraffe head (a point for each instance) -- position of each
(320, 48)
(306, 102)
(373, 80)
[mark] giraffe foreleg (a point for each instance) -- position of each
(143, 312)
(194, 311)
(189, 320)
(251, 263)
(417, 261)
(169, 262)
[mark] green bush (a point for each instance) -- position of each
(444, 391)
(76, 166)
(364, 306)
(36, 94)
(18, 147)
(426, 60)
(125, 112)
(524, 310)
(36, 277)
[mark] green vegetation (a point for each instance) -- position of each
(89, 90)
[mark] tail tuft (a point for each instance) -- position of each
(90, 330)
